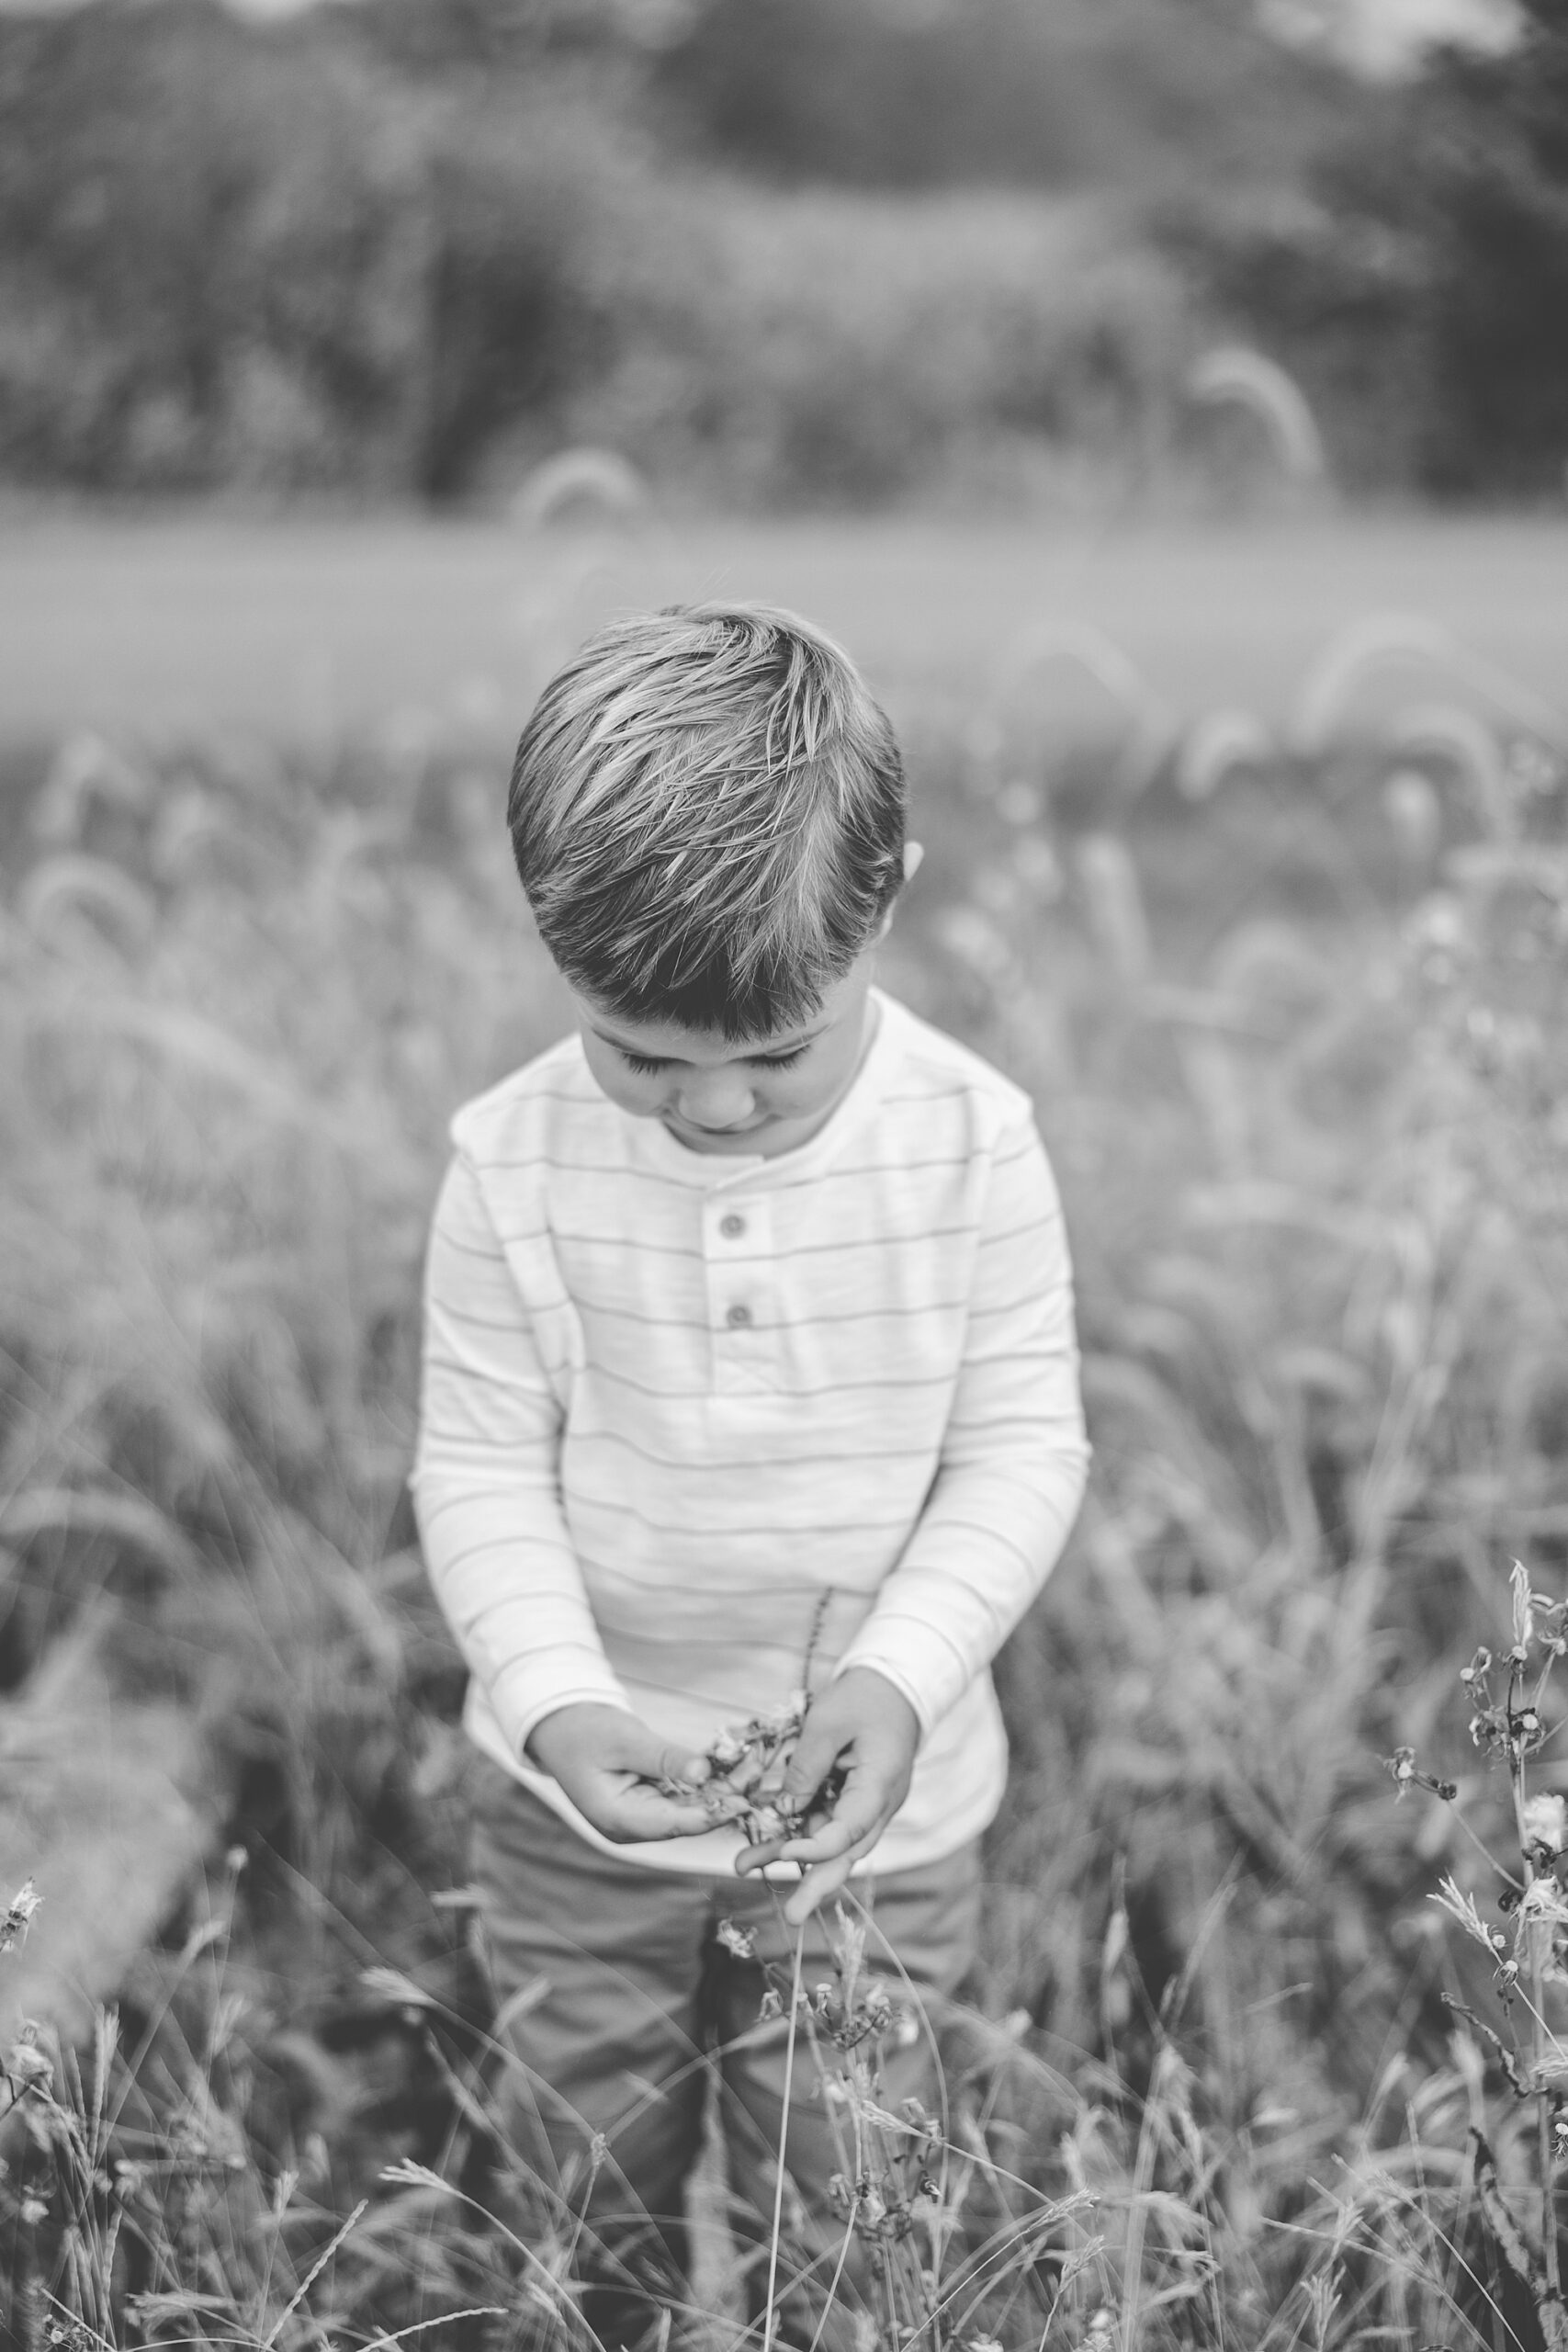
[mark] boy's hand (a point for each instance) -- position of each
(619, 1775)
(869, 1729)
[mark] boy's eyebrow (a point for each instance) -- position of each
(762, 1053)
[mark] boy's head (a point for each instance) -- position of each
(707, 814)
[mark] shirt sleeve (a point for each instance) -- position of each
(486, 1480)
(1014, 1460)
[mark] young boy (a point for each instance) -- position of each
(750, 1365)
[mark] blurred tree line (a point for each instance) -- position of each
(778, 250)
(1417, 282)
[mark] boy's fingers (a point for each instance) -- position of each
(824, 1845)
(819, 1884)
(816, 1753)
(847, 1834)
(655, 1760)
(637, 1814)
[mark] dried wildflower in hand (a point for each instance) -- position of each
(746, 1760)
(741, 1942)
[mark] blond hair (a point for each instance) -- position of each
(707, 814)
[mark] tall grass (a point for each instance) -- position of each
(1297, 1041)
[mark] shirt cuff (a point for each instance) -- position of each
(522, 1696)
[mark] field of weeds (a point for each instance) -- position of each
(1292, 1010)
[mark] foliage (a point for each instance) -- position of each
(828, 349)
(237, 258)
(1419, 287)
(401, 252)
(1510, 1727)
(995, 92)
(416, 251)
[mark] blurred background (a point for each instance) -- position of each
(1166, 404)
(775, 254)
(1049, 272)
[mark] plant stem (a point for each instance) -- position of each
(1535, 1932)
(771, 2320)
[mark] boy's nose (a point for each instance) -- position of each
(718, 1098)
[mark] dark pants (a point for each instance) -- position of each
(620, 2001)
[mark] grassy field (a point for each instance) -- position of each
(1289, 998)
(292, 628)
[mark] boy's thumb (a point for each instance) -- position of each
(680, 1765)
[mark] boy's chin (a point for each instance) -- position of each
(752, 1137)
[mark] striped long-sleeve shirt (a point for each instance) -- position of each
(687, 1416)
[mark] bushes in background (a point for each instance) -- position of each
(234, 258)
(390, 252)
(1420, 292)
(271, 259)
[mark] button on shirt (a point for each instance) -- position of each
(696, 1428)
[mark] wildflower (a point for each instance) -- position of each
(14, 1926)
(1407, 1775)
(1542, 1899)
(741, 1942)
(1546, 1820)
(26, 2063)
(1524, 1614)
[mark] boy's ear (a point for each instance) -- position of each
(913, 854)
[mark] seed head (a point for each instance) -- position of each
(14, 1926)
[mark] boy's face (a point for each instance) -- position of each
(763, 1096)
